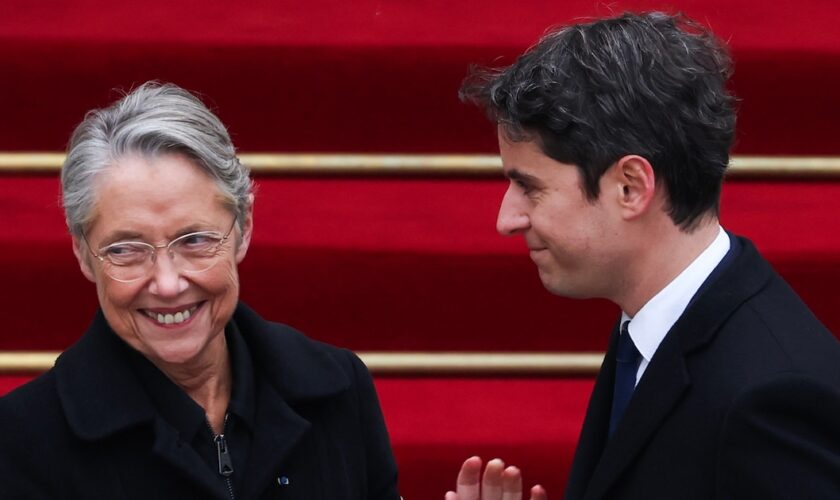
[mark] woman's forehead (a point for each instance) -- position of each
(163, 169)
(168, 193)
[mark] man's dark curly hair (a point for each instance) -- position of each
(650, 84)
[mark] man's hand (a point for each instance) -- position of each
(499, 482)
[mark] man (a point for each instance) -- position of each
(718, 381)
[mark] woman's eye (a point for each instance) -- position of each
(123, 250)
(198, 240)
(126, 254)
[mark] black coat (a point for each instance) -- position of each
(87, 429)
(741, 401)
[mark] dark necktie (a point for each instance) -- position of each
(627, 361)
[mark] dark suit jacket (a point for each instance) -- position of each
(741, 400)
(87, 429)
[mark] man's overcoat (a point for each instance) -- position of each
(741, 400)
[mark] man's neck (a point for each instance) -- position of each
(662, 259)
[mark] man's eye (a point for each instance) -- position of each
(524, 186)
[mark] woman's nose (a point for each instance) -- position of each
(167, 280)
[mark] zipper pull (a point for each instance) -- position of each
(225, 461)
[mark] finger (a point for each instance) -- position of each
(450, 495)
(468, 483)
(511, 484)
(491, 483)
(538, 493)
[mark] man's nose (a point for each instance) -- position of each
(513, 217)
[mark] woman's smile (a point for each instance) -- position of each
(172, 317)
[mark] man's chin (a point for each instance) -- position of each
(556, 285)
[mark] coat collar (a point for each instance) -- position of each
(98, 391)
(101, 395)
(297, 367)
(599, 463)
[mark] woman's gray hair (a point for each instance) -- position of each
(152, 120)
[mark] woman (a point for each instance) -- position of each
(177, 390)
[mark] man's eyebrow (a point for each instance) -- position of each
(516, 175)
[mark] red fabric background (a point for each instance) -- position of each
(399, 264)
(374, 75)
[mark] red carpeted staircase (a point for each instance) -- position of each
(384, 261)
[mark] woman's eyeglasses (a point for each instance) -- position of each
(128, 261)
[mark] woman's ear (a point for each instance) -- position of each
(247, 230)
(636, 184)
(83, 257)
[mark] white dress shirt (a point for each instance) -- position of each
(658, 315)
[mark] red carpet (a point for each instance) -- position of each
(368, 75)
(410, 264)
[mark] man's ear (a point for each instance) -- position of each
(633, 178)
(83, 257)
(247, 230)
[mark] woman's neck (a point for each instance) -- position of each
(208, 380)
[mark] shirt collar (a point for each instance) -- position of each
(658, 315)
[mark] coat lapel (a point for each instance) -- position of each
(291, 371)
(593, 435)
(661, 388)
(665, 381)
(278, 430)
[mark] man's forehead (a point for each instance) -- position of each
(522, 159)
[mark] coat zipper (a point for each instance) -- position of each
(223, 455)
